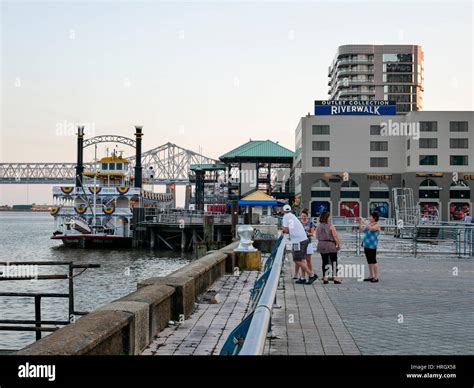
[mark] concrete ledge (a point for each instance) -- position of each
(231, 259)
(140, 327)
(183, 296)
(127, 325)
(100, 332)
(249, 260)
(204, 271)
(159, 299)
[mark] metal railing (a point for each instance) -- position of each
(427, 239)
(187, 217)
(249, 337)
(38, 322)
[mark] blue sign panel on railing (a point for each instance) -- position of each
(358, 108)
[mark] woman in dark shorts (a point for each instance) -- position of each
(328, 245)
(371, 231)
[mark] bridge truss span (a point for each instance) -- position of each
(169, 164)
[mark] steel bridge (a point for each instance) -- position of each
(171, 165)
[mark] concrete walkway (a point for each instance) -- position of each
(307, 323)
(206, 330)
(421, 306)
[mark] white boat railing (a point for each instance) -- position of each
(89, 190)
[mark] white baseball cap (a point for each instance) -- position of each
(287, 208)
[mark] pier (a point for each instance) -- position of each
(213, 307)
(185, 230)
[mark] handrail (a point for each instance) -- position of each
(254, 342)
(38, 322)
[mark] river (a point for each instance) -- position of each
(24, 236)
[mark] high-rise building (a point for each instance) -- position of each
(378, 72)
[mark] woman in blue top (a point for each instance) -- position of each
(371, 231)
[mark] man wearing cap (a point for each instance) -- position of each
(299, 240)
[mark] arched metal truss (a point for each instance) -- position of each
(170, 164)
(109, 139)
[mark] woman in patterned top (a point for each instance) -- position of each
(371, 231)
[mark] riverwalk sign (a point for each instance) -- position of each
(358, 108)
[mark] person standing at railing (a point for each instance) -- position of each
(299, 240)
(467, 219)
(329, 244)
(370, 241)
(308, 227)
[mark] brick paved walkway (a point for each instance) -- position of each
(307, 323)
(206, 330)
(419, 307)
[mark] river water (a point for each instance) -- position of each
(24, 236)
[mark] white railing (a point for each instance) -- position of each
(104, 191)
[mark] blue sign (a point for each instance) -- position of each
(357, 108)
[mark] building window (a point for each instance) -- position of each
(458, 143)
(375, 130)
(397, 57)
(111, 166)
(320, 162)
(397, 77)
(458, 126)
(428, 143)
(320, 193)
(459, 160)
(428, 160)
(408, 144)
(379, 145)
(320, 146)
(397, 68)
(406, 89)
(320, 129)
(398, 97)
(403, 108)
(428, 126)
(378, 162)
(408, 160)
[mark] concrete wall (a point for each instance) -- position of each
(128, 325)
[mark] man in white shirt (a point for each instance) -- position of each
(299, 240)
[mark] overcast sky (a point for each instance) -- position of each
(199, 74)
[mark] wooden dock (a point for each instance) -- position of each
(184, 231)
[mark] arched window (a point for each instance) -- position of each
(428, 183)
(350, 189)
(459, 190)
(350, 184)
(320, 189)
(379, 185)
(379, 189)
(319, 183)
(428, 189)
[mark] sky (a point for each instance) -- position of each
(207, 76)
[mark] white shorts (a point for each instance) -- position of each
(310, 249)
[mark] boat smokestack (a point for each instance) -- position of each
(138, 156)
(80, 151)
